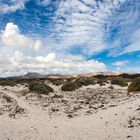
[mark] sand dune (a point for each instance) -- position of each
(111, 115)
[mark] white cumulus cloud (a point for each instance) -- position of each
(51, 64)
(12, 37)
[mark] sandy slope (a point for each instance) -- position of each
(111, 123)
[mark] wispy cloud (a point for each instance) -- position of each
(123, 29)
(121, 63)
(135, 42)
(44, 2)
(12, 5)
(88, 26)
(84, 24)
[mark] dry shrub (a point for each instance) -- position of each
(119, 81)
(40, 88)
(135, 85)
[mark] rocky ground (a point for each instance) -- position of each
(89, 113)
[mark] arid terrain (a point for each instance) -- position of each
(92, 112)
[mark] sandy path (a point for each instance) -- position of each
(30, 108)
(109, 124)
(20, 101)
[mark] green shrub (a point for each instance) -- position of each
(14, 81)
(135, 85)
(128, 80)
(102, 84)
(72, 79)
(7, 82)
(119, 81)
(85, 81)
(70, 86)
(101, 81)
(74, 84)
(40, 88)
(57, 82)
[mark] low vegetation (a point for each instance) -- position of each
(13, 81)
(17, 81)
(83, 81)
(38, 85)
(8, 82)
(72, 85)
(102, 81)
(135, 85)
(57, 82)
(119, 81)
(40, 88)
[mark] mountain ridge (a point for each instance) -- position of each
(38, 75)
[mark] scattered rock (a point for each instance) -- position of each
(129, 136)
(70, 116)
(54, 109)
(138, 109)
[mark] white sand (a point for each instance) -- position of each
(106, 124)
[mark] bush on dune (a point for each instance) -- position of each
(119, 81)
(70, 86)
(102, 81)
(5, 82)
(77, 83)
(40, 88)
(83, 81)
(135, 85)
(15, 81)
(57, 82)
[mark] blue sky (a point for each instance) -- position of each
(69, 36)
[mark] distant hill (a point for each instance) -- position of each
(57, 76)
(32, 75)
